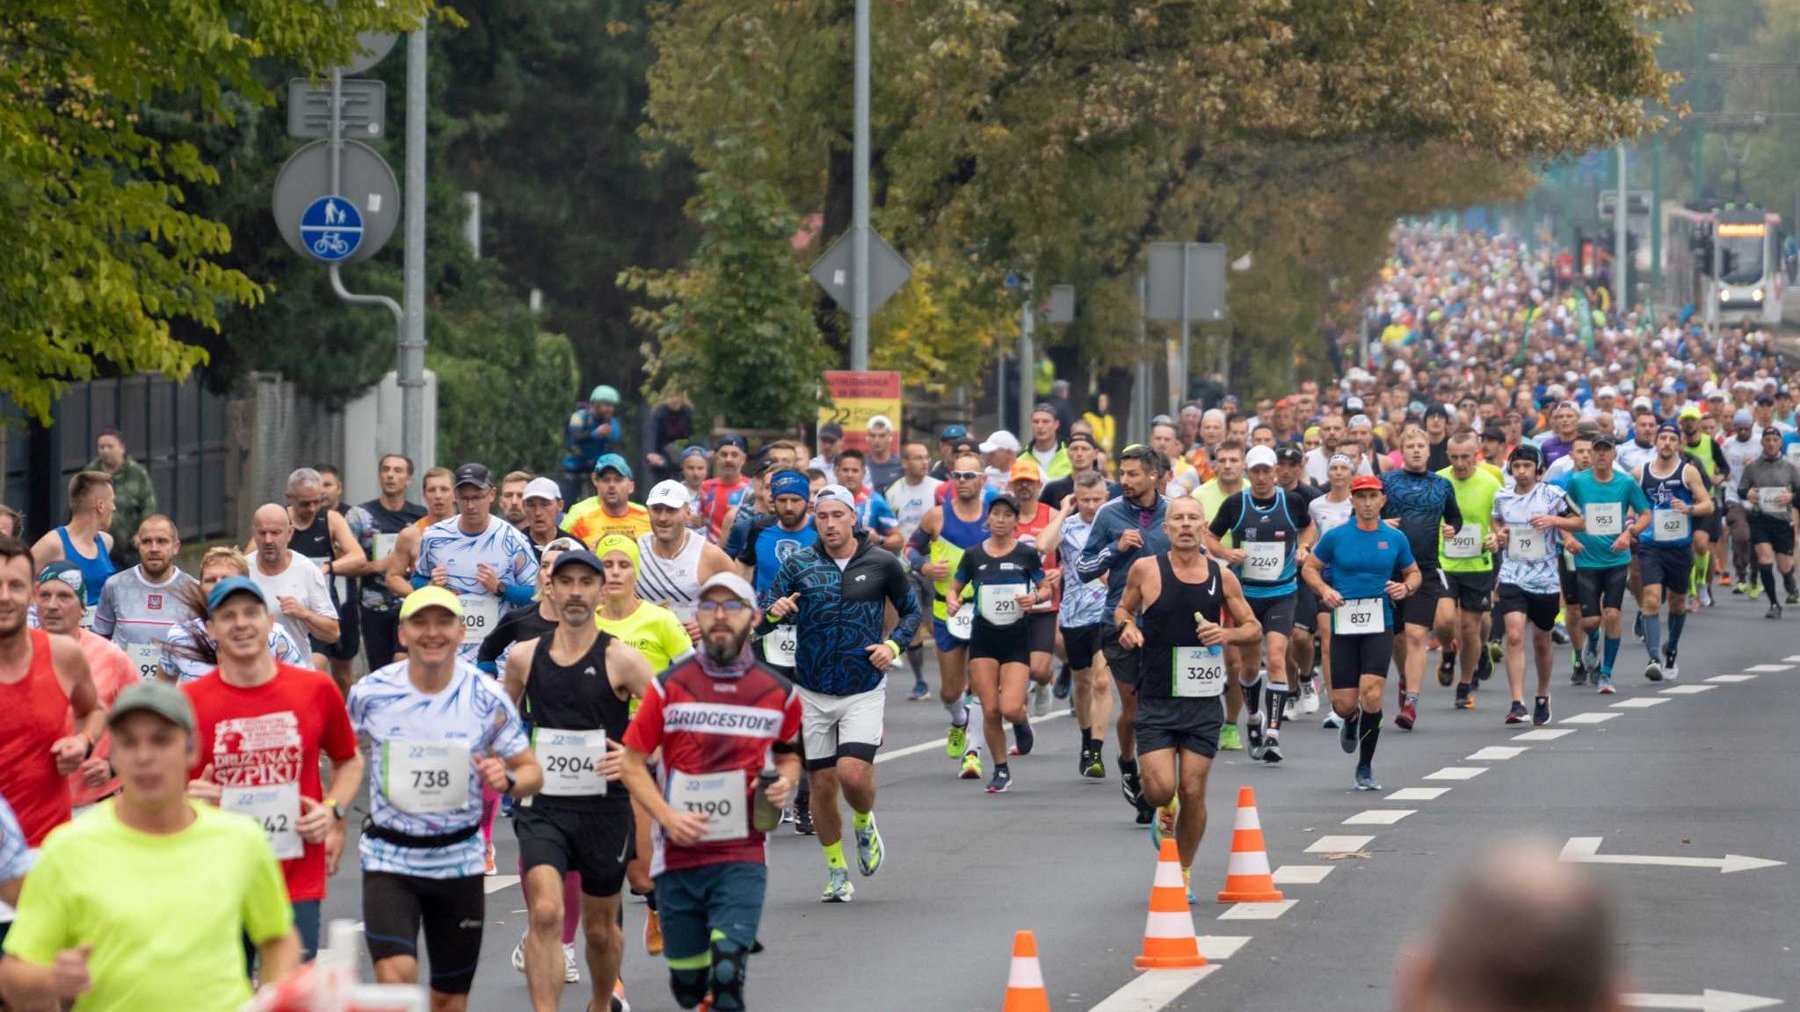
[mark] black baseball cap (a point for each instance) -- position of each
(831, 430)
(1604, 438)
(1288, 453)
(579, 557)
(474, 474)
(731, 439)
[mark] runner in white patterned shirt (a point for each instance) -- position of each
(485, 561)
(139, 606)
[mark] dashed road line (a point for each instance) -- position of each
(1338, 844)
(1221, 946)
(1456, 773)
(1379, 816)
(1301, 874)
(1418, 794)
(1497, 753)
(926, 746)
(1732, 679)
(1257, 911)
(1687, 690)
(1590, 718)
(1544, 734)
(1640, 703)
(1153, 990)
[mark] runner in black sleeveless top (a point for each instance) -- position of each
(1182, 596)
(574, 688)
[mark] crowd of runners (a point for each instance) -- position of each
(645, 679)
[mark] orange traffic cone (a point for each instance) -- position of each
(1247, 878)
(1025, 979)
(1169, 942)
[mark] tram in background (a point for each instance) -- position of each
(1725, 262)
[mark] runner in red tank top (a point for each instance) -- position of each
(1026, 482)
(42, 678)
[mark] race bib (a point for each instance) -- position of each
(1526, 543)
(1361, 616)
(1464, 544)
(481, 612)
(144, 658)
(1766, 500)
(1199, 672)
(571, 762)
(1605, 519)
(340, 589)
(721, 797)
(425, 777)
(1668, 525)
(277, 808)
(999, 602)
(384, 546)
(780, 645)
(1264, 560)
(961, 624)
(87, 620)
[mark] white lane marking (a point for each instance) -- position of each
(938, 743)
(1418, 794)
(1301, 874)
(1544, 734)
(1586, 850)
(494, 883)
(1795, 657)
(1257, 911)
(1153, 990)
(1497, 752)
(1732, 679)
(1338, 844)
(1379, 816)
(1640, 703)
(1590, 718)
(1457, 773)
(1687, 690)
(1773, 667)
(1708, 1000)
(1221, 946)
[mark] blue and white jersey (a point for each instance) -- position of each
(503, 548)
(1530, 561)
(180, 665)
(15, 856)
(406, 734)
(1083, 604)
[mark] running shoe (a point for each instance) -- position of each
(653, 939)
(1496, 651)
(1793, 597)
(618, 1004)
(1465, 696)
(1096, 767)
(1738, 589)
(1065, 682)
(1253, 733)
(1653, 671)
(803, 824)
(1229, 738)
(1580, 676)
(571, 972)
(1002, 781)
(838, 888)
(1484, 666)
(1187, 882)
(1023, 738)
(1132, 786)
(1670, 671)
(1774, 609)
(1447, 668)
(518, 956)
(868, 849)
(1271, 747)
(1518, 714)
(1540, 711)
(1039, 700)
(1348, 729)
(1753, 590)
(1408, 715)
(1331, 720)
(1163, 826)
(1365, 779)
(971, 765)
(1706, 596)
(1559, 634)
(919, 691)
(1604, 681)
(1083, 761)
(956, 742)
(1290, 706)
(1309, 698)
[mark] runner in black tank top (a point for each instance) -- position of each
(1182, 596)
(573, 687)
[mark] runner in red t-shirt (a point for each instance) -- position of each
(728, 487)
(261, 728)
(723, 723)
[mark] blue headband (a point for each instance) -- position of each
(790, 483)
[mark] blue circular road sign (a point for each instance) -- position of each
(331, 228)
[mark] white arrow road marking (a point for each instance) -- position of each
(1706, 1001)
(1586, 850)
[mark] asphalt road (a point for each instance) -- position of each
(1694, 769)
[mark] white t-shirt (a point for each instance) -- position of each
(302, 581)
(910, 503)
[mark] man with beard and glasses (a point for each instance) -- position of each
(728, 729)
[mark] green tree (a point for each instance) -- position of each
(104, 256)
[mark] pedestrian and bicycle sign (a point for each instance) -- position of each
(331, 228)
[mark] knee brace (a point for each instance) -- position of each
(728, 959)
(688, 985)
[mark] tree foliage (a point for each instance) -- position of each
(103, 255)
(1058, 138)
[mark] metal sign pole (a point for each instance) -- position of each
(1180, 386)
(859, 200)
(411, 372)
(1027, 366)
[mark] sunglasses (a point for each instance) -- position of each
(965, 475)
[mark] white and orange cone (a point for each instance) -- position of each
(1169, 942)
(1025, 979)
(1247, 878)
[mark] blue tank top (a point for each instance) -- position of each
(1272, 525)
(1662, 493)
(94, 572)
(962, 533)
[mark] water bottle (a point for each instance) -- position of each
(1215, 649)
(765, 815)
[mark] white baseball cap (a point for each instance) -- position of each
(1259, 456)
(1001, 440)
(880, 422)
(668, 492)
(543, 488)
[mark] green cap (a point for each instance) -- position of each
(160, 698)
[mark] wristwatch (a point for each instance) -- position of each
(511, 781)
(337, 810)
